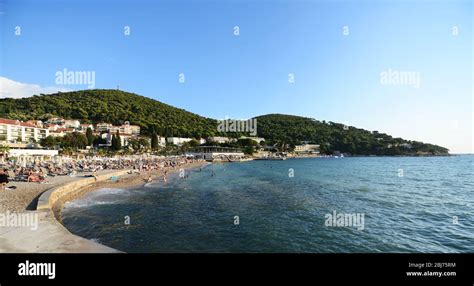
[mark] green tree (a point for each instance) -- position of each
(116, 142)
(4, 150)
(74, 140)
(138, 144)
(154, 141)
(193, 143)
(90, 136)
(49, 142)
(248, 150)
(185, 147)
(144, 143)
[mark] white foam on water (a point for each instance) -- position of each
(96, 240)
(104, 196)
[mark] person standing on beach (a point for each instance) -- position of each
(3, 179)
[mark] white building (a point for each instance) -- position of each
(125, 128)
(17, 131)
(177, 140)
(72, 123)
(256, 139)
(53, 127)
(103, 127)
(218, 139)
(130, 129)
(56, 120)
(32, 153)
(36, 123)
(215, 153)
(161, 141)
(406, 145)
(60, 132)
(123, 138)
(307, 148)
(84, 127)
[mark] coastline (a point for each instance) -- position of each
(25, 195)
(51, 236)
(48, 235)
(123, 181)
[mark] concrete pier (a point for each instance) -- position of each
(51, 236)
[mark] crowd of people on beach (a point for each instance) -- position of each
(39, 171)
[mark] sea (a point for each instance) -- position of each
(312, 205)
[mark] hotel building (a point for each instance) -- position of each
(307, 148)
(126, 128)
(13, 131)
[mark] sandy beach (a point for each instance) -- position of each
(50, 235)
(26, 193)
(22, 198)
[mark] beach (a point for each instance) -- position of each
(26, 193)
(22, 198)
(34, 200)
(28, 182)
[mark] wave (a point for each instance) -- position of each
(86, 203)
(96, 240)
(104, 196)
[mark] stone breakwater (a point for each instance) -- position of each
(55, 198)
(50, 236)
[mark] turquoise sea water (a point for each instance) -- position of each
(409, 204)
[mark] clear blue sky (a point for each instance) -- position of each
(337, 77)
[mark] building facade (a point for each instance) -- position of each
(177, 140)
(307, 148)
(12, 131)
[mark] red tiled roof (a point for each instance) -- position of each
(33, 121)
(64, 129)
(9, 121)
(121, 134)
(15, 122)
(27, 124)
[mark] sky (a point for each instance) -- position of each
(399, 67)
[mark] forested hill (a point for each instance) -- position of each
(115, 106)
(112, 106)
(335, 136)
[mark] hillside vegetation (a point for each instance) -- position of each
(115, 106)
